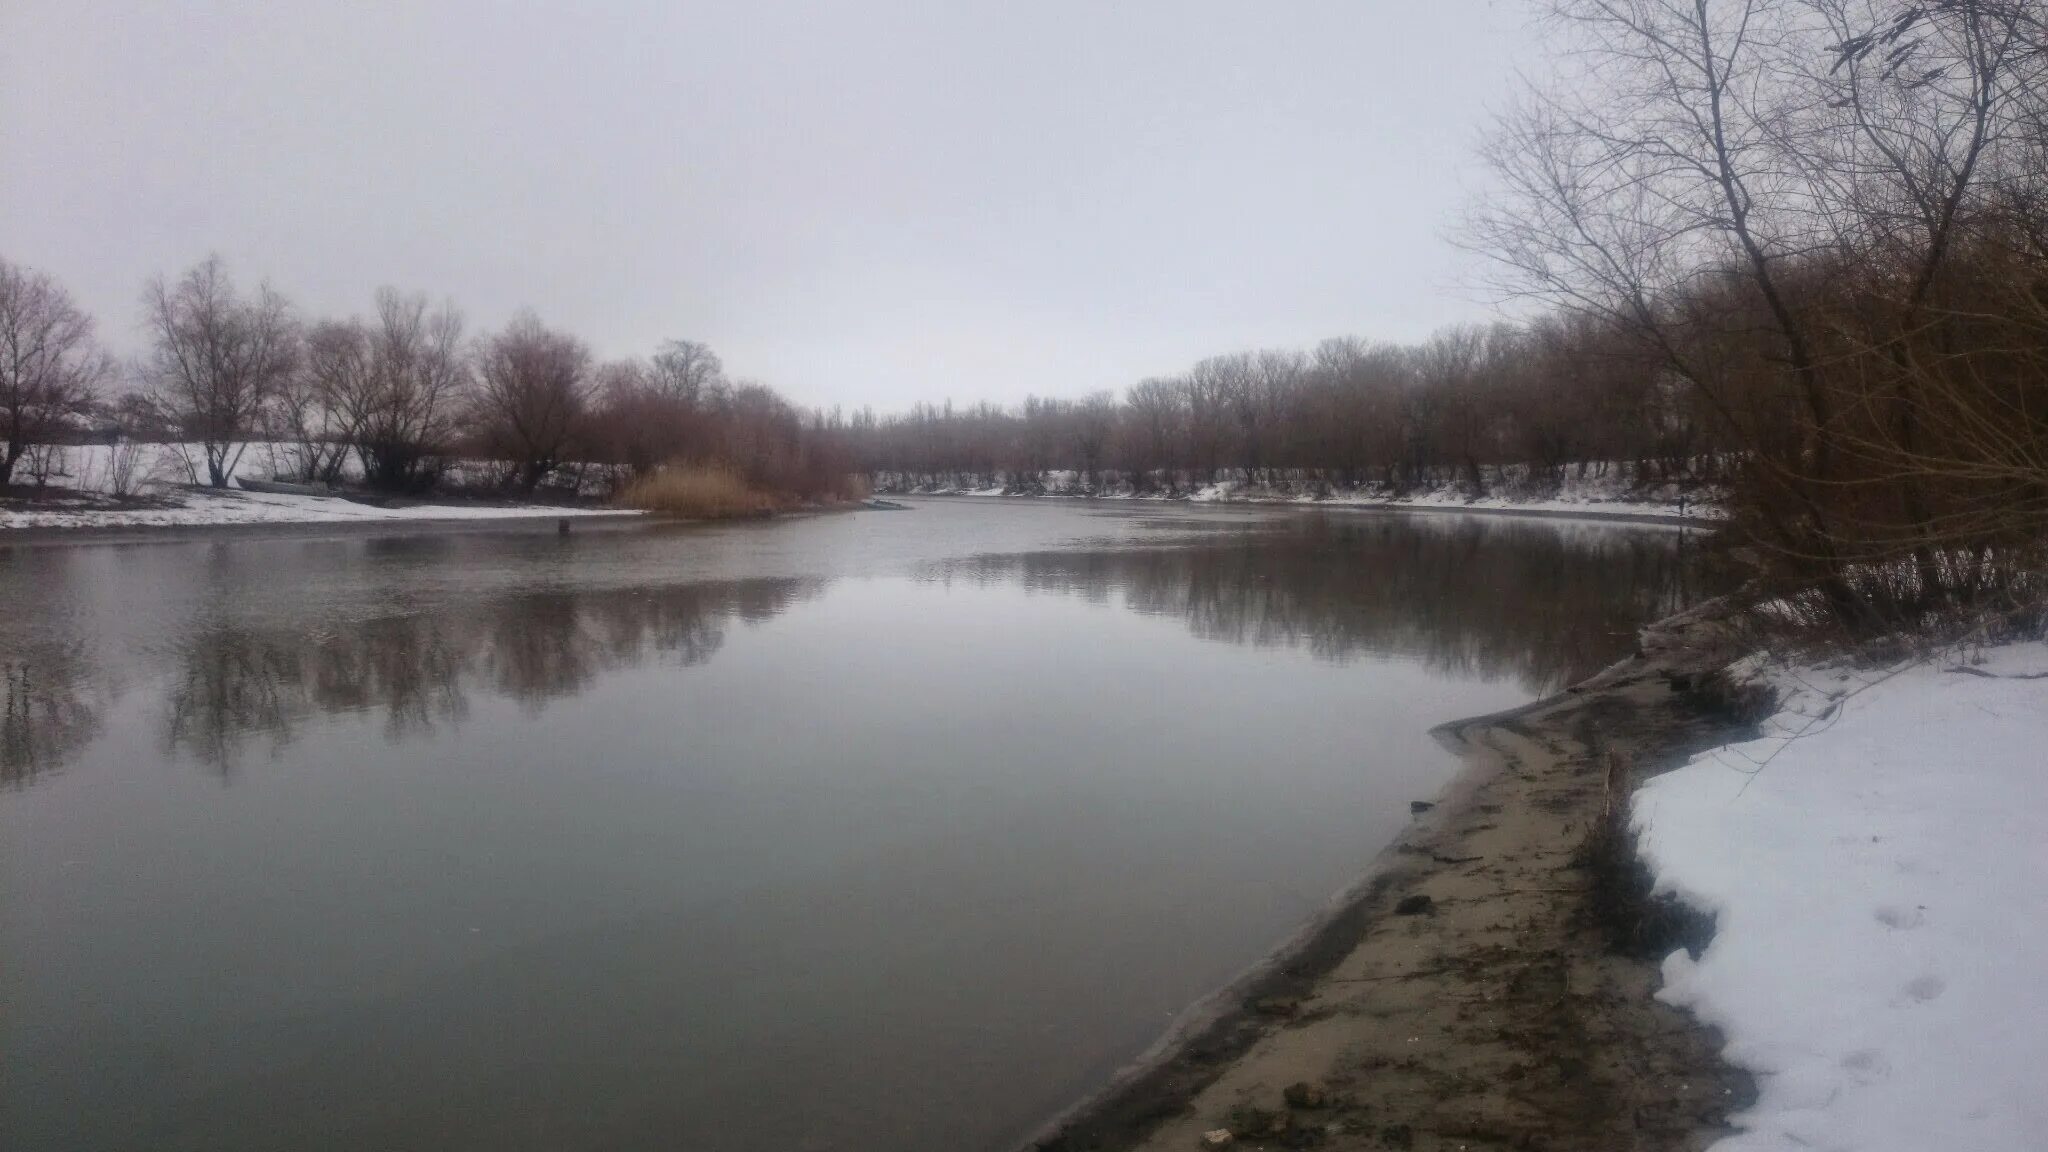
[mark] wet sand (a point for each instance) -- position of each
(1489, 983)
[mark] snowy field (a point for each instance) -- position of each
(86, 482)
(1877, 866)
(1511, 490)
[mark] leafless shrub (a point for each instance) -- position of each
(45, 462)
(50, 367)
(306, 440)
(125, 473)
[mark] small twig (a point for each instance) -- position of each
(1418, 974)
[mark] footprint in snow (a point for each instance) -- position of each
(1925, 988)
(1866, 1065)
(1901, 919)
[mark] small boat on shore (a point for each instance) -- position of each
(318, 491)
(880, 505)
(286, 488)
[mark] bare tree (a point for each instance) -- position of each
(50, 366)
(1156, 428)
(688, 371)
(1275, 380)
(420, 376)
(662, 409)
(1774, 198)
(219, 359)
(533, 386)
(333, 398)
(390, 390)
(1094, 422)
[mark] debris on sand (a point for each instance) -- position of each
(1417, 905)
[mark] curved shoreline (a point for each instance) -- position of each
(1635, 515)
(583, 521)
(1444, 1029)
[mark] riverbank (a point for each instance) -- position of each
(1874, 860)
(1611, 493)
(1624, 511)
(206, 508)
(1489, 984)
(1615, 512)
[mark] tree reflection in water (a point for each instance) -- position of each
(49, 713)
(1540, 602)
(233, 686)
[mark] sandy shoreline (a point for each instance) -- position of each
(1515, 1012)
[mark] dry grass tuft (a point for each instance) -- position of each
(703, 493)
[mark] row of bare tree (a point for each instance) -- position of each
(1805, 238)
(1557, 393)
(1829, 220)
(393, 399)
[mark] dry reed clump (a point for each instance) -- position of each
(705, 493)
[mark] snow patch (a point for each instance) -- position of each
(1877, 865)
(162, 472)
(1612, 490)
(202, 509)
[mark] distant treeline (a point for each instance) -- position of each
(1799, 244)
(1827, 222)
(1803, 243)
(399, 401)
(1560, 392)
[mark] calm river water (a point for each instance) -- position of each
(886, 830)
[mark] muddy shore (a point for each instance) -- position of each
(1488, 983)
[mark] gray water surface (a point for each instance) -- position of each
(884, 830)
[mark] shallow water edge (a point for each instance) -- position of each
(1225, 1055)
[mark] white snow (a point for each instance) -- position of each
(1573, 500)
(1878, 870)
(163, 472)
(1611, 491)
(266, 508)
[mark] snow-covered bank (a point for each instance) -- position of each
(1610, 491)
(201, 509)
(1878, 869)
(150, 486)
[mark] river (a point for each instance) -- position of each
(882, 830)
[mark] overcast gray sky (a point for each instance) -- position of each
(873, 202)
